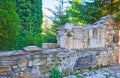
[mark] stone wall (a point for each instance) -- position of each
(22, 64)
(79, 48)
(103, 33)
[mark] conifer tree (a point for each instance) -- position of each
(9, 24)
(30, 13)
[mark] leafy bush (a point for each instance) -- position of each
(56, 74)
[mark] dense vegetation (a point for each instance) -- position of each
(30, 13)
(82, 13)
(21, 20)
(20, 23)
(9, 24)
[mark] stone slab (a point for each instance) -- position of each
(49, 45)
(85, 62)
(5, 69)
(31, 49)
(8, 63)
(22, 63)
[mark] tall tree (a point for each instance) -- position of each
(30, 12)
(9, 24)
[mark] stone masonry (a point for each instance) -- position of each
(78, 48)
(103, 33)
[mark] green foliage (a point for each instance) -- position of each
(117, 16)
(117, 10)
(62, 19)
(83, 13)
(56, 74)
(9, 24)
(27, 38)
(30, 12)
(48, 36)
(88, 12)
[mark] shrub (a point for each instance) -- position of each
(56, 74)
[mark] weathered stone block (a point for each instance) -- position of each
(30, 63)
(14, 67)
(111, 27)
(85, 45)
(22, 63)
(23, 75)
(99, 61)
(105, 60)
(31, 49)
(115, 39)
(49, 45)
(5, 69)
(85, 62)
(8, 63)
(69, 43)
(43, 61)
(78, 44)
(112, 31)
(77, 33)
(36, 62)
(45, 69)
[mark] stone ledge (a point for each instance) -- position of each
(12, 53)
(8, 63)
(49, 45)
(47, 51)
(32, 49)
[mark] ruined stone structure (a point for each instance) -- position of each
(103, 33)
(79, 47)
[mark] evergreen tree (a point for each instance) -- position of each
(9, 24)
(30, 12)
